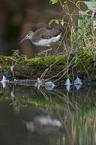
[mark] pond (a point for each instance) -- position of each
(32, 116)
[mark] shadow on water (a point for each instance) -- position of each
(29, 115)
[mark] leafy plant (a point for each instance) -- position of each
(82, 26)
(54, 1)
(83, 35)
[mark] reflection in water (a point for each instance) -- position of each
(3, 81)
(25, 116)
(38, 83)
(48, 85)
(77, 83)
(12, 94)
(44, 125)
(68, 84)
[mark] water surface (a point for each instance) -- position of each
(54, 117)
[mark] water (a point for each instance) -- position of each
(29, 116)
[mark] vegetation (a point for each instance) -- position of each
(75, 109)
(82, 26)
(83, 35)
(77, 53)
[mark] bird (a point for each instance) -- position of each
(45, 36)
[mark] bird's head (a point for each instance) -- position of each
(29, 35)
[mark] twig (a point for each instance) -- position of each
(92, 23)
(46, 70)
(45, 51)
(63, 71)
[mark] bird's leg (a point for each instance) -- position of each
(45, 51)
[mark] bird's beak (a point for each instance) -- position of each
(21, 41)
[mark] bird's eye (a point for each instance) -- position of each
(27, 34)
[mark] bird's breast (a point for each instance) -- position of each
(47, 42)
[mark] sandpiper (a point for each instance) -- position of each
(45, 36)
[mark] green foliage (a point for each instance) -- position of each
(54, 20)
(54, 1)
(44, 62)
(91, 5)
(83, 38)
(61, 22)
(17, 57)
(5, 63)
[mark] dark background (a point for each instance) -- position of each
(19, 16)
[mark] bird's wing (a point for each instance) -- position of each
(50, 32)
(45, 33)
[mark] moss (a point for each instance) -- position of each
(45, 62)
(33, 68)
(5, 61)
(57, 62)
(85, 63)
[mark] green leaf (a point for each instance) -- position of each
(94, 24)
(54, 1)
(84, 13)
(79, 31)
(54, 20)
(88, 22)
(51, 21)
(80, 21)
(91, 5)
(62, 22)
(57, 21)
